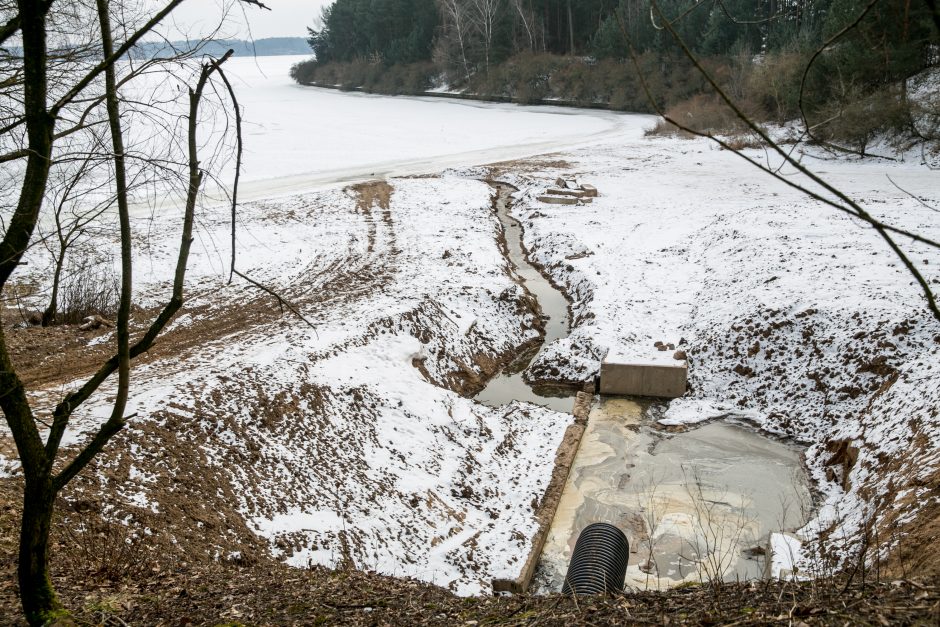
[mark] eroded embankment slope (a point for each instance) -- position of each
(344, 442)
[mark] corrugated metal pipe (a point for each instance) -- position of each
(599, 561)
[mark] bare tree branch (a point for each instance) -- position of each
(847, 205)
(72, 401)
(917, 198)
(9, 29)
(283, 302)
(809, 64)
(238, 162)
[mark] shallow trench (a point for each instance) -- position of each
(509, 385)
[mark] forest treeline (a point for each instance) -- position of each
(592, 53)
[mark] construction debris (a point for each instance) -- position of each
(94, 322)
(568, 192)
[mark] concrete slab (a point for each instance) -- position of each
(558, 200)
(634, 377)
(577, 193)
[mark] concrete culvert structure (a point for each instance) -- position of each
(599, 561)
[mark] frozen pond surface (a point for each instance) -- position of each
(705, 501)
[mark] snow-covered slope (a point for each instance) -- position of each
(340, 442)
(343, 440)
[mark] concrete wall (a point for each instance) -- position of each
(639, 379)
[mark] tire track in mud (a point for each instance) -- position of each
(328, 293)
(228, 318)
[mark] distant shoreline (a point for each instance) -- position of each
(603, 106)
(264, 47)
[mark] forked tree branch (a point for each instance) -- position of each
(65, 409)
(9, 29)
(283, 302)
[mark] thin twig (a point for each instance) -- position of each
(825, 45)
(283, 302)
(920, 200)
(238, 163)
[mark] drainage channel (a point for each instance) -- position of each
(695, 506)
(508, 385)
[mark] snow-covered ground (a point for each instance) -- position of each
(791, 315)
(343, 442)
(340, 442)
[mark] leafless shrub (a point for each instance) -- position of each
(704, 113)
(651, 505)
(89, 289)
(774, 85)
(744, 140)
(91, 547)
(858, 118)
(720, 527)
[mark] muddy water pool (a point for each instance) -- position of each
(695, 506)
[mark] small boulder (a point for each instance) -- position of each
(94, 322)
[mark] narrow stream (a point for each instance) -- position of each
(508, 385)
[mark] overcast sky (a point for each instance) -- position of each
(287, 18)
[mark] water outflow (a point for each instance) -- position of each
(599, 561)
(696, 506)
(509, 385)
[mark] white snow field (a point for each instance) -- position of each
(342, 442)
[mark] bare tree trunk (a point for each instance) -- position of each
(570, 30)
(120, 180)
(456, 12)
(36, 593)
(39, 129)
(517, 4)
(486, 16)
(48, 316)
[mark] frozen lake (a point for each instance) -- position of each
(299, 138)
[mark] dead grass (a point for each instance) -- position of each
(263, 592)
(528, 165)
(707, 114)
(372, 193)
